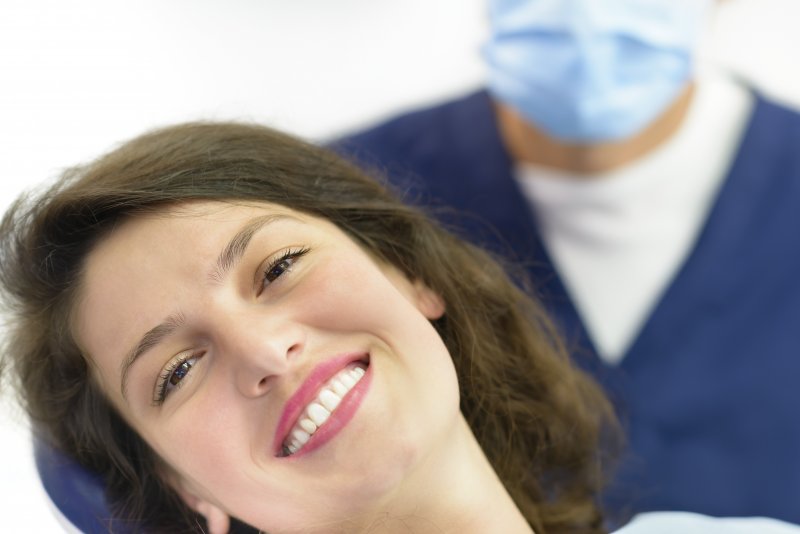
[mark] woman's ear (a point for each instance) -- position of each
(428, 301)
(217, 520)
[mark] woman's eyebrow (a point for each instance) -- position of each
(237, 246)
(150, 339)
(227, 259)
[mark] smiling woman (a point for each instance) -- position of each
(225, 322)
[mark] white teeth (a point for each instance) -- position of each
(339, 388)
(318, 413)
(308, 425)
(329, 399)
(300, 436)
(347, 380)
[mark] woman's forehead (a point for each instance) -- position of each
(178, 240)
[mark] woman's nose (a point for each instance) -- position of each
(259, 349)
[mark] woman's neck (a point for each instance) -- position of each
(527, 144)
(455, 491)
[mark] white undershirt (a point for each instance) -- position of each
(689, 523)
(617, 239)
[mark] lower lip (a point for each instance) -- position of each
(339, 418)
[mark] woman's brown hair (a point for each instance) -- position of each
(541, 423)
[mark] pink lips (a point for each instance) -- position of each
(308, 391)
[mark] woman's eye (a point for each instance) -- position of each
(275, 271)
(281, 265)
(172, 377)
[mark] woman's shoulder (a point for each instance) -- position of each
(689, 523)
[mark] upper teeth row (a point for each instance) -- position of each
(318, 411)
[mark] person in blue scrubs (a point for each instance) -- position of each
(656, 204)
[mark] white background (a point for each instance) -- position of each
(78, 77)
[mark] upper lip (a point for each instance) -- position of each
(308, 391)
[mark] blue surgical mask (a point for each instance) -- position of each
(592, 70)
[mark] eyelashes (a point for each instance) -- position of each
(280, 265)
(174, 374)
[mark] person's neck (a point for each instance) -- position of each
(528, 144)
(455, 491)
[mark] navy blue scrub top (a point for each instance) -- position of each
(709, 392)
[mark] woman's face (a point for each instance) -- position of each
(284, 376)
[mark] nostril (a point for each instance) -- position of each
(294, 350)
(256, 386)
